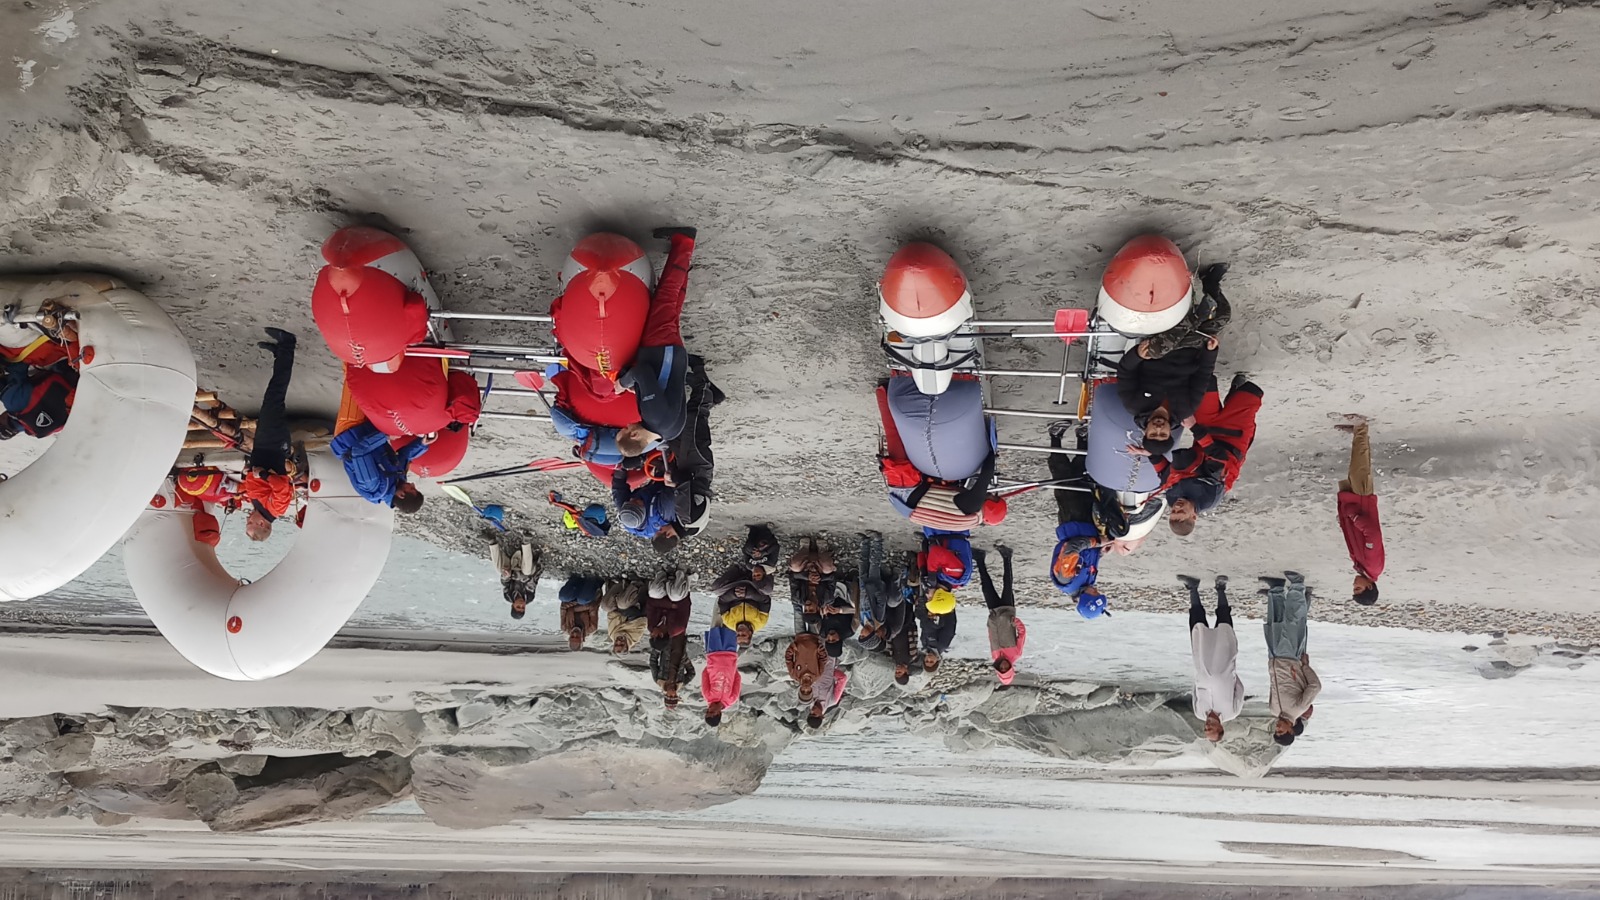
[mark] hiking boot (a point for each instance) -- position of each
(979, 555)
(1294, 577)
(1272, 582)
(1240, 379)
(670, 230)
(281, 337)
(1060, 427)
(1211, 277)
(1190, 582)
(1222, 582)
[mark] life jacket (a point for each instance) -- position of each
(40, 352)
(1072, 572)
(948, 560)
(49, 403)
(204, 484)
(931, 502)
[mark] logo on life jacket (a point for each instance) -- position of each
(49, 404)
(1066, 567)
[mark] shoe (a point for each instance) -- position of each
(1240, 379)
(1272, 582)
(670, 230)
(1060, 427)
(979, 554)
(1347, 422)
(1294, 577)
(1003, 550)
(286, 338)
(1222, 582)
(1211, 277)
(1190, 582)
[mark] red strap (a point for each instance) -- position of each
(894, 447)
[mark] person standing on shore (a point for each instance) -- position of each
(720, 682)
(1294, 684)
(1218, 692)
(1007, 634)
(805, 659)
(580, 608)
(1358, 513)
(519, 568)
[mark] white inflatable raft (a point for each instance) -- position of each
(127, 426)
(250, 632)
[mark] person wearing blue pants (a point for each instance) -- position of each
(580, 608)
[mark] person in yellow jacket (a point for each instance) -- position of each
(744, 600)
(746, 618)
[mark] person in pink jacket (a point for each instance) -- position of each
(1007, 634)
(719, 677)
(827, 691)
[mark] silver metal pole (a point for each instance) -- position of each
(1034, 484)
(1011, 323)
(489, 317)
(487, 370)
(1042, 334)
(1008, 373)
(1029, 448)
(487, 414)
(1017, 373)
(1031, 414)
(502, 348)
(1061, 389)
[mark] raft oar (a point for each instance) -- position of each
(545, 464)
(492, 513)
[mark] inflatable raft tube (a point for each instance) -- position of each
(1147, 287)
(128, 423)
(1110, 464)
(255, 631)
(346, 292)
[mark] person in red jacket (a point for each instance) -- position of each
(1358, 513)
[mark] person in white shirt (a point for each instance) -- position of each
(1218, 692)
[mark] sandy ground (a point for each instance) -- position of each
(1406, 191)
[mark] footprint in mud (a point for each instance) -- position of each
(1387, 337)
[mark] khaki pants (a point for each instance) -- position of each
(1359, 481)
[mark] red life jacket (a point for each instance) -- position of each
(204, 484)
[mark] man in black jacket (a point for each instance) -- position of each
(690, 464)
(659, 370)
(1162, 393)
